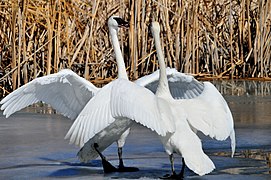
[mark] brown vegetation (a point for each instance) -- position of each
(225, 38)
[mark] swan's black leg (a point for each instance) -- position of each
(107, 166)
(174, 175)
(122, 168)
(181, 175)
(121, 165)
(171, 158)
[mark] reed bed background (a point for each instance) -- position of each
(217, 39)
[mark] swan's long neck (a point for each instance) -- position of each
(120, 61)
(163, 87)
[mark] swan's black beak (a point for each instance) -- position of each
(121, 22)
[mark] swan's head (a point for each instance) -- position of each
(116, 22)
(155, 28)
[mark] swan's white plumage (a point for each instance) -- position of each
(181, 86)
(145, 110)
(110, 133)
(94, 117)
(194, 157)
(97, 115)
(207, 110)
(95, 123)
(186, 143)
(68, 94)
(194, 101)
(210, 114)
(65, 91)
(133, 104)
(105, 138)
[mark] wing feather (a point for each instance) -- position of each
(65, 91)
(95, 116)
(182, 86)
(210, 114)
(138, 103)
(206, 108)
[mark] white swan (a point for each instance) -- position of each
(69, 93)
(38, 90)
(182, 86)
(212, 119)
(65, 91)
(95, 129)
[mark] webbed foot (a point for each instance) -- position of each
(172, 176)
(127, 169)
(107, 166)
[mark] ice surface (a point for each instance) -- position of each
(33, 147)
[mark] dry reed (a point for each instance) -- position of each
(222, 39)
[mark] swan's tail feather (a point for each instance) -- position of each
(189, 145)
(200, 164)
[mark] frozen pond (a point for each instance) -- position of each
(33, 145)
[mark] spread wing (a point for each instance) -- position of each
(210, 114)
(94, 117)
(139, 104)
(65, 91)
(114, 101)
(207, 110)
(182, 86)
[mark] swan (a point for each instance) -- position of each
(94, 135)
(67, 92)
(137, 103)
(209, 114)
(37, 90)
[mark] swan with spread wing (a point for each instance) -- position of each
(205, 109)
(67, 92)
(200, 106)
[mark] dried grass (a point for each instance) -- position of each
(222, 39)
